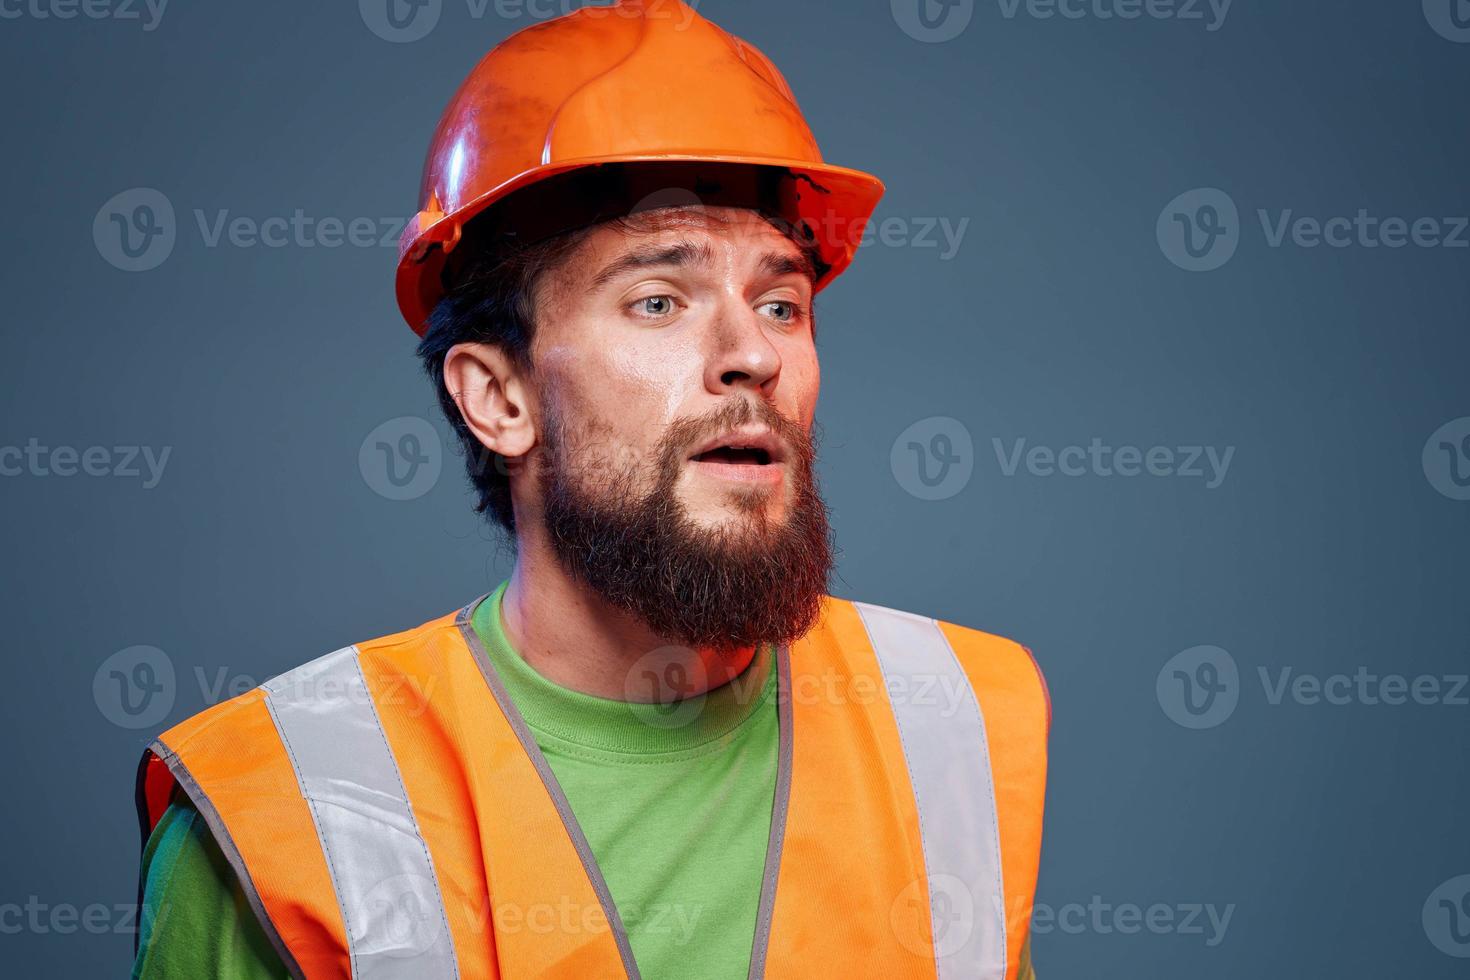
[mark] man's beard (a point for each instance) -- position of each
(748, 581)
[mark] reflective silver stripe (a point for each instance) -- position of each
(379, 863)
(948, 758)
(780, 808)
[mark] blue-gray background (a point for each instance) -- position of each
(1330, 546)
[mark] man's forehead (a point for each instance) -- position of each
(670, 221)
(688, 236)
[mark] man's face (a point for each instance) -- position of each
(677, 380)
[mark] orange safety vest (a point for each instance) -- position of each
(389, 815)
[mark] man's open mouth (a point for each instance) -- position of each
(747, 455)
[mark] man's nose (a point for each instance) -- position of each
(741, 354)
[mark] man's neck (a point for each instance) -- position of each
(575, 638)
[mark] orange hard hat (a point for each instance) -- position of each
(617, 102)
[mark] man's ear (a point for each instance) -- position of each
(493, 398)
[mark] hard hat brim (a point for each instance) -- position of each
(836, 208)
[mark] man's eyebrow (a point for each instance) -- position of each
(784, 264)
(680, 253)
(772, 264)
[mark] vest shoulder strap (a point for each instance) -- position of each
(280, 774)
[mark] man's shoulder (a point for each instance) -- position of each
(973, 640)
(242, 710)
(990, 660)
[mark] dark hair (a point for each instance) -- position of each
(493, 301)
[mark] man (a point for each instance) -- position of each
(657, 749)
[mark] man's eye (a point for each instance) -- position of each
(654, 305)
(784, 310)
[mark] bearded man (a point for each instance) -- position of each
(658, 748)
